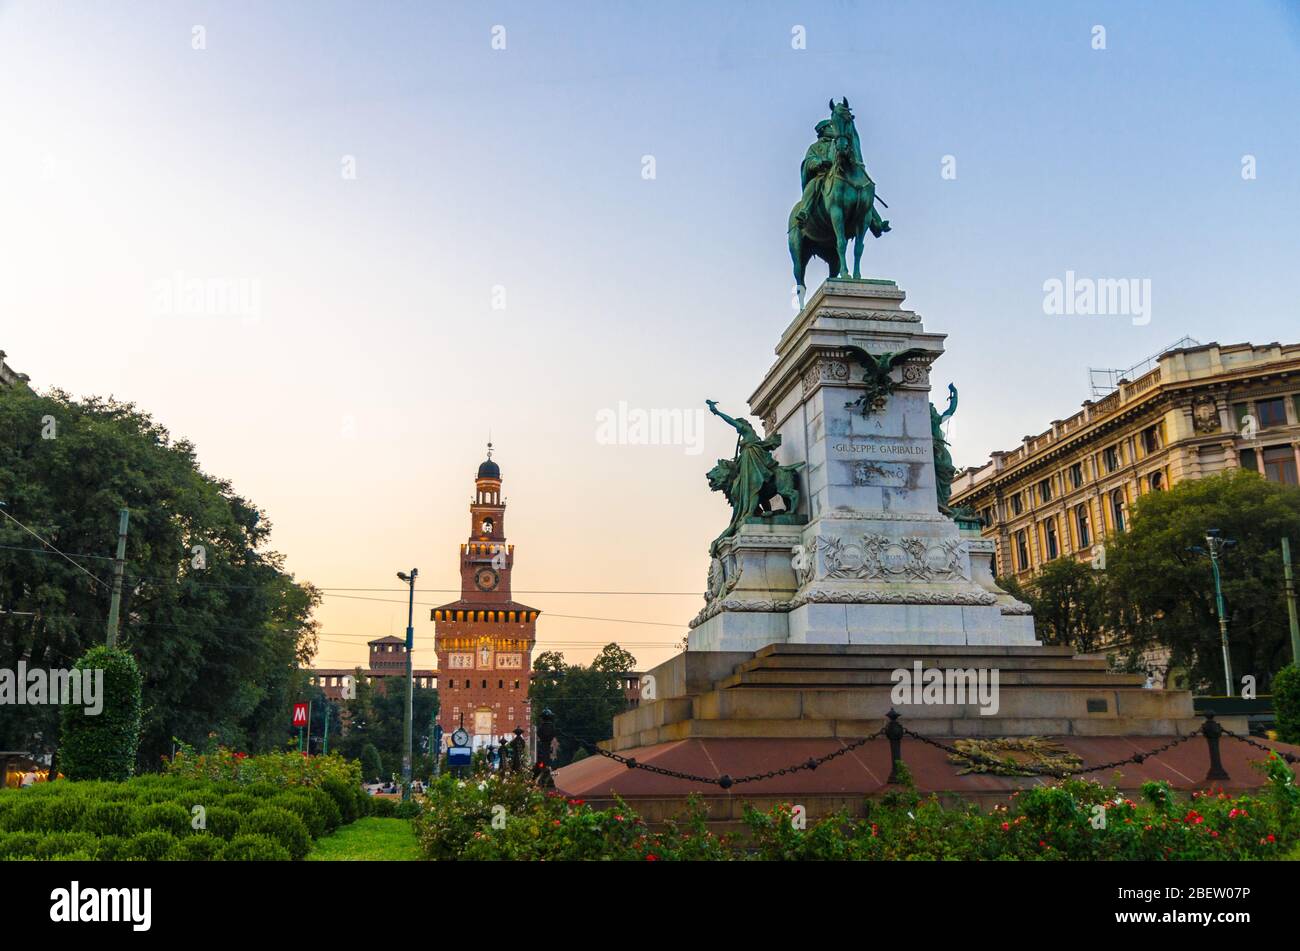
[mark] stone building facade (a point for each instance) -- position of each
(387, 660)
(1201, 410)
(8, 375)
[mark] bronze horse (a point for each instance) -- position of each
(844, 208)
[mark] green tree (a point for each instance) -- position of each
(613, 659)
(215, 624)
(1163, 593)
(1070, 601)
(583, 699)
(375, 719)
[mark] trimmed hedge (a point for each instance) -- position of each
(1286, 703)
(281, 825)
(104, 746)
(154, 817)
(254, 848)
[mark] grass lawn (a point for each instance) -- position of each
(370, 839)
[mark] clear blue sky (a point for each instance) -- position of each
(131, 156)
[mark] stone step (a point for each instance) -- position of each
(919, 650)
(894, 662)
(870, 702)
(805, 677)
(938, 728)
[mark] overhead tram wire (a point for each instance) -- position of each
(51, 547)
(332, 592)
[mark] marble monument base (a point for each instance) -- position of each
(868, 556)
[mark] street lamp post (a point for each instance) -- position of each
(1215, 544)
(408, 712)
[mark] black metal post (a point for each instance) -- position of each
(545, 734)
(894, 733)
(1212, 730)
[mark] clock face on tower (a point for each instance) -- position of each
(486, 579)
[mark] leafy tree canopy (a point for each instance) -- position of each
(216, 625)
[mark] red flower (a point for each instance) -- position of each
(651, 857)
(1006, 827)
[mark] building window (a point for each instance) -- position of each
(1053, 549)
(1270, 413)
(1022, 551)
(1076, 475)
(1081, 522)
(1239, 412)
(1117, 509)
(1110, 455)
(1152, 439)
(1045, 491)
(467, 685)
(516, 685)
(1279, 465)
(1156, 480)
(1017, 504)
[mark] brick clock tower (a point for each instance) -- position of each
(485, 640)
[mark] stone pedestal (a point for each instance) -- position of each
(875, 561)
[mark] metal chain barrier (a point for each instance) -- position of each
(1289, 757)
(724, 781)
(1047, 771)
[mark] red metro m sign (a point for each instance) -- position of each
(299, 715)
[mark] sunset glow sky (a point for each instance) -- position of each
(354, 405)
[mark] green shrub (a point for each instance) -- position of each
(407, 809)
(223, 822)
(313, 807)
(148, 846)
(79, 856)
(351, 799)
(254, 848)
(25, 816)
(241, 802)
(1286, 703)
(62, 813)
(61, 843)
(202, 847)
(104, 746)
(108, 848)
(167, 816)
(281, 825)
(383, 807)
(107, 818)
(17, 845)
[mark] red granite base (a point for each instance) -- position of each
(844, 782)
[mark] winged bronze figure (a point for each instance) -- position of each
(879, 384)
